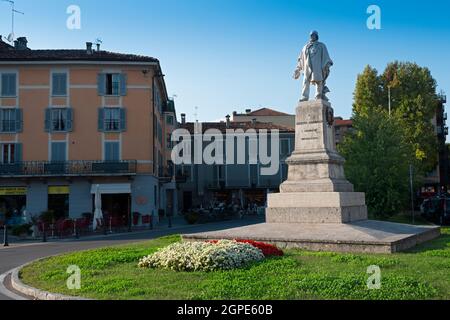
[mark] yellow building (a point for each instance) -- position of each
(72, 120)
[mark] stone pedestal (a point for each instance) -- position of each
(316, 190)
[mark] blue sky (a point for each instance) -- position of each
(226, 55)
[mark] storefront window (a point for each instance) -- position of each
(58, 201)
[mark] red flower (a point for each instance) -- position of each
(267, 249)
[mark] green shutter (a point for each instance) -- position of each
(101, 84)
(18, 152)
(19, 120)
(48, 119)
(69, 119)
(101, 119)
(123, 84)
(123, 119)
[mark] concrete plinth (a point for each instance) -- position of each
(363, 236)
(316, 207)
(316, 190)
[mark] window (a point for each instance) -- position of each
(59, 84)
(169, 141)
(8, 85)
(112, 151)
(169, 120)
(8, 120)
(58, 119)
(112, 84)
(59, 151)
(8, 153)
(112, 119)
(284, 147)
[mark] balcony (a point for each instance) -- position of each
(68, 168)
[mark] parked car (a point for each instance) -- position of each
(436, 210)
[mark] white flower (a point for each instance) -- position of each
(203, 256)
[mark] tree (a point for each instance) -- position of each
(378, 161)
(386, 141)
(368, 93)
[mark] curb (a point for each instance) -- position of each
(34, 293)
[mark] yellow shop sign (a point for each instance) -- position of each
(58, 190)
(13, 191)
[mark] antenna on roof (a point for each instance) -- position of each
(98, 43)
(196, 114)
(11, 36)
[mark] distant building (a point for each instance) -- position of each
(440, 176)
(265, 115)
(342, 127)
(200, 185)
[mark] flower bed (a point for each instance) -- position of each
(203, 256)
(267, 249)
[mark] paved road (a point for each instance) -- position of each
(20, 253)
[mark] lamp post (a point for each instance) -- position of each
(412, 191)
(5, 238)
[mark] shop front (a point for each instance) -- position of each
(58, 201)
(13, 202)
(116, 203)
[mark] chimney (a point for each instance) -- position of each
(98, 46)
(89, 47)
(21, 43)
(183, 118)
(228, 120)
(248, 111)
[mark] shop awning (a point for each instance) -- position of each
(112, 188)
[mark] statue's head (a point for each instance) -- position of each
(314, 36)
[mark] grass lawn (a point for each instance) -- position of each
(112, 273)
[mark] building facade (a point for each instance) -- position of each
(201, 185)
(72, 121)
(265, 115)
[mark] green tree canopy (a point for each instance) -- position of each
(386, 141)
(413, 102)
(378, 161)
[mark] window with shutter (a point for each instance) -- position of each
(113, 84)
(11, 153)
(59, 84)
(8, 120)
(58, 119)
(8, 85)
(58, 151)
(112, 151)
(111, 117)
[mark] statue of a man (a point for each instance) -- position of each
(315, 63)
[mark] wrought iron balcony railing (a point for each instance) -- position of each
(68, 168)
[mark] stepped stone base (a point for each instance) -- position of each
(359, 237)
(316, 207)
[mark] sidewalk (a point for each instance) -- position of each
(177, 223)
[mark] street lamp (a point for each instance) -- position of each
(5, 237)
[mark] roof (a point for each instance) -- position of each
(264, 112)
(71, 55)
(342, 123)
(5, 46)
(222, 126)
